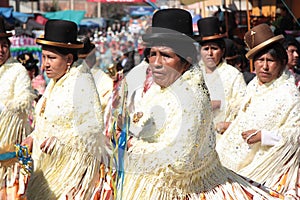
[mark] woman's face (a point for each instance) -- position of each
(211, 54)
(165, 65)
(4, 50)
(267, 68)
(293, 56)
(54, 63)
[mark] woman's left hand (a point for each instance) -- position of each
(48, 145)
(252, 136)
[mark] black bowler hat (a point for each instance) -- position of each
(173, 28)
(209, 29)
(88, 47)
(231, 51)
(3, 32)
(60, 33)
(170, 24)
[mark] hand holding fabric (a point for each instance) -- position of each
(221, 127)
(28, 142)
(48, 145)
(252, 136)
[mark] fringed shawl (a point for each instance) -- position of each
(69, 111)
(273, 107)
(173, 152)
(17, 96)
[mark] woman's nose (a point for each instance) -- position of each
(265, 65)
(158, 60)
(45, 63)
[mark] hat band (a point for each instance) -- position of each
(59, 44)
(231, 57)
(250, 54)
(5, 34)
(213, 37)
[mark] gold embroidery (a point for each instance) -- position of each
(43, 107)
(137, 116)
(247, 105)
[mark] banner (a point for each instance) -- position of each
(120, 1)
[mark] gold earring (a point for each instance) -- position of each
(69, 66)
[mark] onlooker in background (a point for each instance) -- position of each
(30, 63)
(16, 97)
(129, 63)
(104, 83)
(142, 71)
(284, 21)
(37, 79)
(225, 83)
(292, 48)
(262, 143)
(235, 57)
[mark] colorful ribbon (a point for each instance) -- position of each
(23, 155)
(117, 128)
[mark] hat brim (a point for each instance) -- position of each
(165, 37)
(251, 53)
(165, 34)
(84, 55)
(231, 57)
(87, 52)
(208, 38)
(42, 41)
(5, 35)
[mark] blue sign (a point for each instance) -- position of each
(140, 10)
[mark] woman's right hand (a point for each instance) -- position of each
(221, 127)
(28, 142)
(215, 104)
(48, 145)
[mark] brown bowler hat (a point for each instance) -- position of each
(209, 29)
(60, 33)
(3, 32)
(259, 37)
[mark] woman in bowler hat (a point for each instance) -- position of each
(172, 152)
(262, 142)
(225, 83)
(67, 140)
(104, 83)
(16, 98)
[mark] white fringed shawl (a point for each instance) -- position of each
(173, 154)
(17, 96)
(72, 114)
(273, 107)
(233, 86)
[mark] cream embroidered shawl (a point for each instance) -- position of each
(173, 154)
(273, 107)
(234, 88)
(16, 94)
(70, 111)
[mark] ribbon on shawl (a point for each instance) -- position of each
(117, 129)
(149, 80)
(23, 155)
